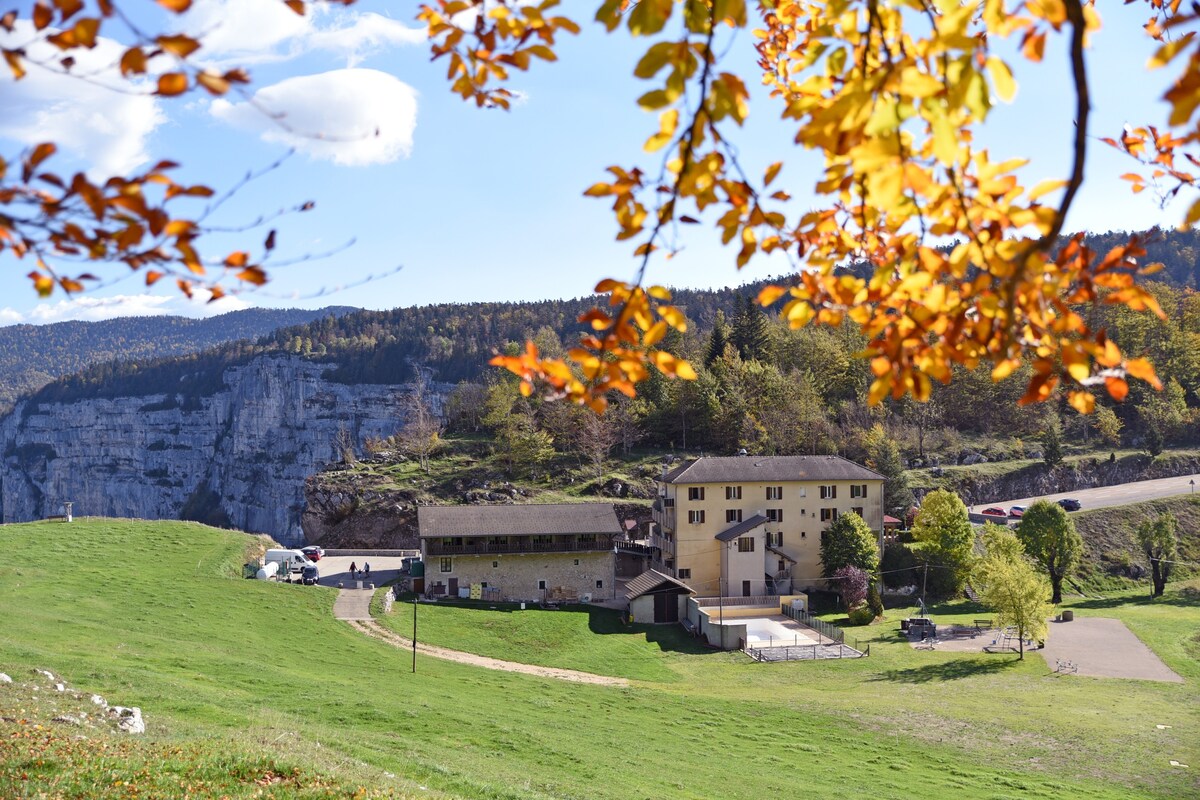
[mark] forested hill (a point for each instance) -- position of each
(455, 341)
(32, 356)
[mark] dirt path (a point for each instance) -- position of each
(374, 629)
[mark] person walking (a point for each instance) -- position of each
(366, 569)
(353, 570)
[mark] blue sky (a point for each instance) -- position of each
(480, 205)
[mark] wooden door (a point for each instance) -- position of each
(745, 588)
(666, 607)
(453, 592)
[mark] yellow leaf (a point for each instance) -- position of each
(1141, 368)
(1002, 79)
(1083, 402)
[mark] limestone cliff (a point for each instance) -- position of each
(239, 456)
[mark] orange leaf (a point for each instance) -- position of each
(1141, 368)
(178, 6)
(213, 82)
(1117, 388)
(178, 44)
(295, 5)
(171, 84)
(133, 61)
(42, 15)
(237, 259)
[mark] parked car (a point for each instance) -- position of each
(310, 575)
(1070, 504)
(993, 511)
(313, 552)
(1017, 511)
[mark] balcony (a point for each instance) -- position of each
(516, 544)
(664, 516)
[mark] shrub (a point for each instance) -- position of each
(862, 616)
(851, 582)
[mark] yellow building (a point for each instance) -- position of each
(751, 526)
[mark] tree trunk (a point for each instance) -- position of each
(1056, 585)
(1157, 577)
(1021, 644)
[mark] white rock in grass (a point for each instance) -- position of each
(4, 678)
(129, 719)
(46, 673)
(97, 700)
(60, 687)
(1175, 763)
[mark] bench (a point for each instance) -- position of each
(962, 631)
(983, 624)
(1062, 666)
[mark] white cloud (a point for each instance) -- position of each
(105, 128)
(95, 309)
(247, 31)
(352, 117)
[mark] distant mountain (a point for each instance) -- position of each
(32, 356)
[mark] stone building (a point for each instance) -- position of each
(526, 552)
(752, 525)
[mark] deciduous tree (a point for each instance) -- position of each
(1159, 540)
(1049, 536)
(943, 531)
(1011, 587)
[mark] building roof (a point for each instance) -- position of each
(729, 534)
(653, 581)
(781, 554)
(518, 520)
(749, 469)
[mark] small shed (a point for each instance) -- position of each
(655, 598)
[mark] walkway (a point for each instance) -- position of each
(354, 606)
(1104, 648)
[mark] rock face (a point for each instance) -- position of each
(238, 457)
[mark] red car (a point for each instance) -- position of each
(313, 552)
(993, 511)
(1017, 512)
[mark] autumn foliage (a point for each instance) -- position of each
(956, 262)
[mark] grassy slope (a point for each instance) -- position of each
(147, 614)
(1108, 537)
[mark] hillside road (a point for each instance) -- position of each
(1119, 495)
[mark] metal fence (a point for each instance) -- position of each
(805, 652)
(820, 626)
(764, 600)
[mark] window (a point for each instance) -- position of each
(858, 510)
(804, 491)
(774, 492)
(775, 539)
(745, 544)
(782, 565)
(577, 562)
(696, 517)
(803, 534)
(447, 565)
(599, 584)
(483, 585)
(775, 515)
(828, 492)
(733, 493)
(495, 564)
(685, 574)
(668, 502)
(695, 493)
(858, 490)
(542, 585)
(733, 515)
(828, 514)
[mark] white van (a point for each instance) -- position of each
(289, 560)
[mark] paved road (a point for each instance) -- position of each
(1119, 495)
(336, 569)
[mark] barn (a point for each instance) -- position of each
(655, 598)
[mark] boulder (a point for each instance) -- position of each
(4, 678)
(128, 719)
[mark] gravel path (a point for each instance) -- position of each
(374, 629)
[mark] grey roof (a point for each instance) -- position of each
(517, 520)
(729, 534)
(652, 580)
(748, 469)
(781, 554)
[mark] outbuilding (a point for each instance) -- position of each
(655, 598)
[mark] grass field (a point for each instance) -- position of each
(259, 676)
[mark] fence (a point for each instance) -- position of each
(766, 600)
(806, 652)
(820, 626)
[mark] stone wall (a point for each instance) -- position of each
(517, 576)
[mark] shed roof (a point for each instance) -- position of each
(517, 520)
(653, 581)
(729, 534)
(748, 469)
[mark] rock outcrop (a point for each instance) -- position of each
(238, 457)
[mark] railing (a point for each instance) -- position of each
(806, 652)
(665, 518)
(636, 548)
(665, 545)
(820, 626)
(753, 600)
(436, 548)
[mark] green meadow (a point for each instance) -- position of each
(251, 689)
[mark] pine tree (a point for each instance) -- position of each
(751, 336)
(718, 340)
